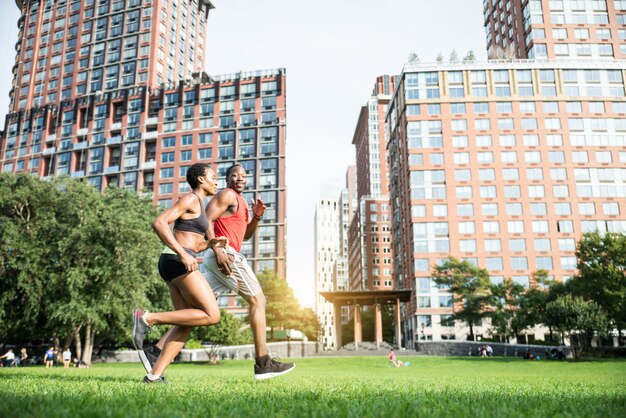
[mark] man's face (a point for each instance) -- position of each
(237, 179)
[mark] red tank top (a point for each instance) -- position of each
(234, 226)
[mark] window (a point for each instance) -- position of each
(493, 245)
(565, 226)
(540, 227)
(465, 210)
(541, 244)
(610, 208)
(494, 263)
(489, 209)
(519, 263)
(517, 245)
(467, 245)
(515, 227)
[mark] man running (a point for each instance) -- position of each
(227, 270)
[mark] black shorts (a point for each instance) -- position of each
(171, 266)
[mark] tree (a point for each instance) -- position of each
(439, 58)
(506, 300)
(229, 331)
(602, 274)
(75, 261)
(470, 57)
(470, 286)
(414, 58)
(577, 320)
(454, 57)
(283, 310)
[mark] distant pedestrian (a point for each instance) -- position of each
(67, 358)
(23, 356)
(49, 357)
(9, 358)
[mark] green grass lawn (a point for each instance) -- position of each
(324, 387)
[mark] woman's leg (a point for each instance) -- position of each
(189, 295)
(200, 310)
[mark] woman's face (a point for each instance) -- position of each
(210, 185)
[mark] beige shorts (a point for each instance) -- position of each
(242, 281)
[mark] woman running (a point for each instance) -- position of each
(191, 295)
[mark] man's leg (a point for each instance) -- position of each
(258, 323)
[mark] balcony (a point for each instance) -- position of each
(148, 165)
(149, 135)
(112, 169)
(116, 127)
(154, 121)
(77, 174)
(49, 151)
(51, 138)
(114, 140)
(82, 132)
(81, 145)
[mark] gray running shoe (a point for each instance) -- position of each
(149, 356)
(160, 380)
(267, 367)
(140, 329)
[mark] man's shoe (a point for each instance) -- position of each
(149, 356)
(160, 380)
(140, 328)
(266, 368)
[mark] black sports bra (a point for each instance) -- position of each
(197, 225)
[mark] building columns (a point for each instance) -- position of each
(358, 334)
(398, 327)
(378, 326)
(337, 319)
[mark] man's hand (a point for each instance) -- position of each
(258, 208)
(218, 242)
(223, 262)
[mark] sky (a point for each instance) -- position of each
(332, 51)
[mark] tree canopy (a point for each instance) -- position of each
(601, 274)
(75, 261)
(470, 286)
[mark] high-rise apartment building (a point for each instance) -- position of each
(535, 29)
(507, 163)
(370, 251)
(111, 91)
(327, 248)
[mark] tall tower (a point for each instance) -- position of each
(327, 248)
(112, 92)
(370, 256)
(67, 49)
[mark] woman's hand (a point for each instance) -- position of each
(190, 262)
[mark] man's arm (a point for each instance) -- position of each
(258, 209)
(217, 206)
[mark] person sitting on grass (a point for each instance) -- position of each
(528, 355)
(394, 360)
(9, 358)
